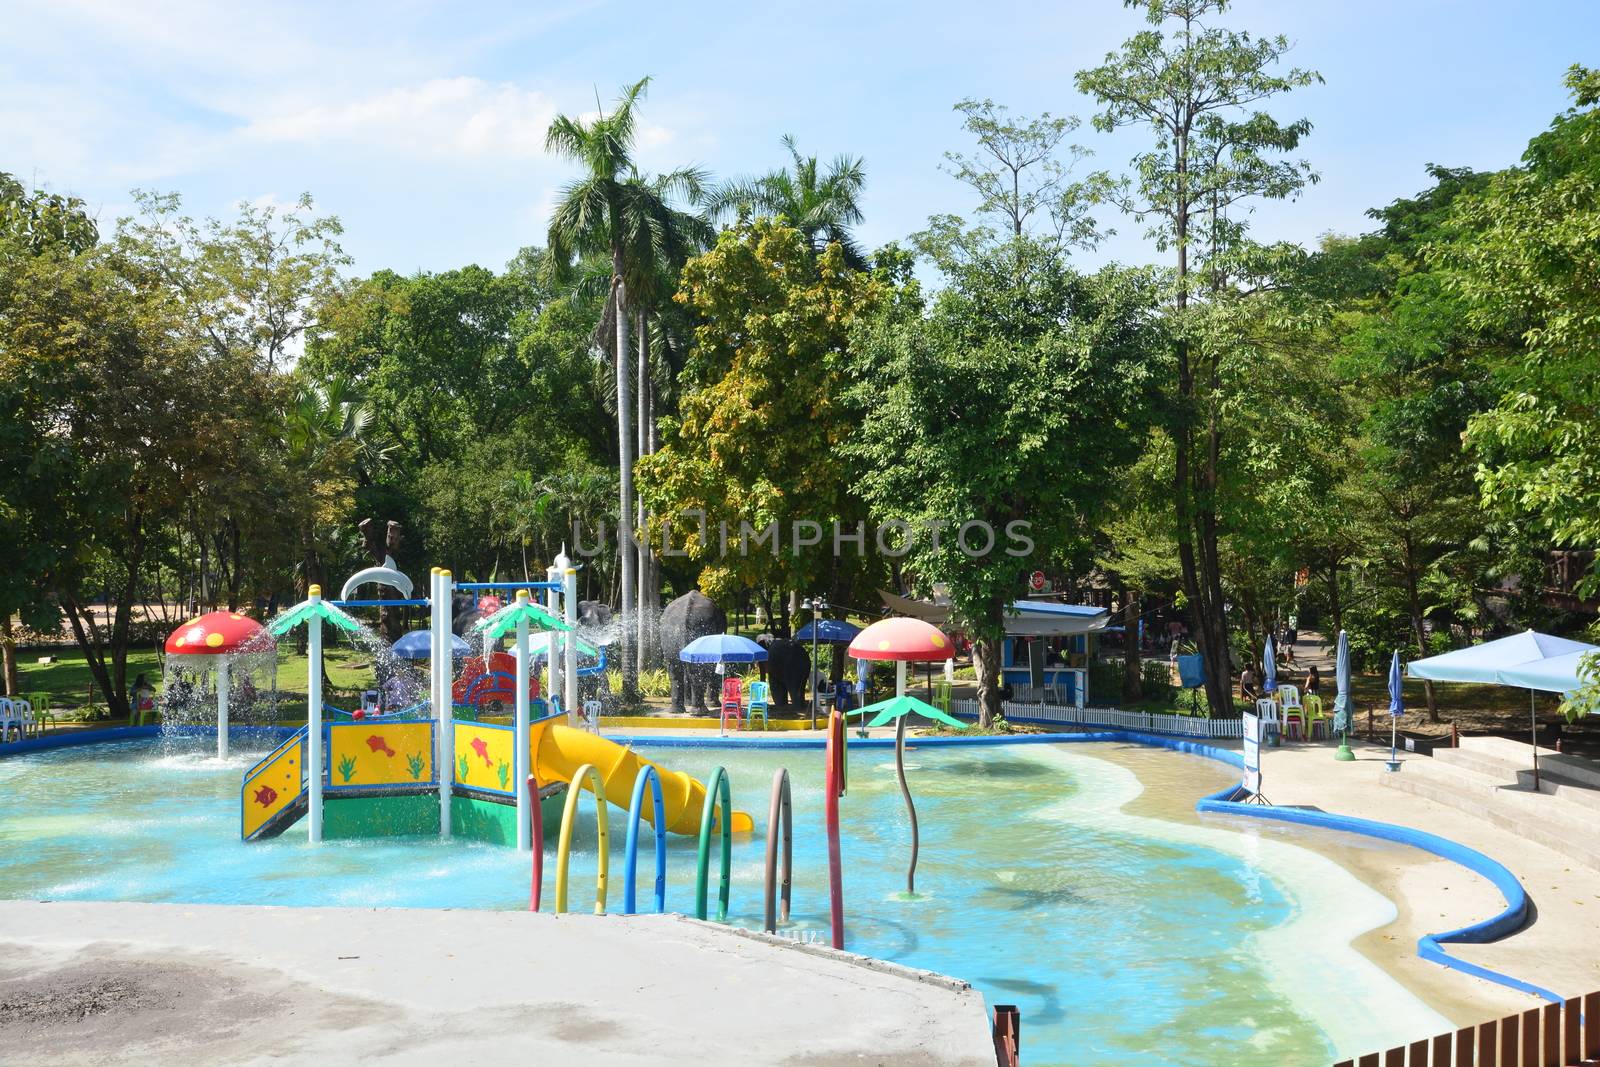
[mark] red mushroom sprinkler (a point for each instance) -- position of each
(212, 638)
(903, 641)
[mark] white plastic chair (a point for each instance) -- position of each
(1289, 696)
(9, 720)
(23, 711)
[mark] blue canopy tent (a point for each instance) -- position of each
(1504, 661)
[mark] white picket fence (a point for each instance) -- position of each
(1181, 725)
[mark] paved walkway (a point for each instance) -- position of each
(123, 984)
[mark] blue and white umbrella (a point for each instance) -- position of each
(1396, 707)
(1343, 715)
(828, 630)
(1269, 669)
(722, 648)
(418, 644)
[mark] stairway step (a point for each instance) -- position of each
(1561, 827)
(1520, 754)
(1559, 776)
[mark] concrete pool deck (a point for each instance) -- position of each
(126, 984)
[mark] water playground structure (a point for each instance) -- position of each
(442, 766)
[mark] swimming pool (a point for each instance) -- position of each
(1118, 934)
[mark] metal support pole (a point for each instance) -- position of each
(554, 640)
(222, 707)
(524, 800)
(314, 756)
(444, 713)
(569, 613)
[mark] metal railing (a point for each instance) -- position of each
(1143, 721)
(630, 852)
(597, 786)
(780, 815)
(716, 788)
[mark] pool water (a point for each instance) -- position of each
(1120, 937)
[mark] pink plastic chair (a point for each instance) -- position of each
(733, 703)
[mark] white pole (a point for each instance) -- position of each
(519, 780)
(899, 677)
(569, 614)
(222, 707)
(314, 719)
(443, 712)
(552, 646)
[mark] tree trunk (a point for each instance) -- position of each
(8, 649)
(1418, 629)
(1335, 607)
(625, 534)
(1132, 669)
(986, 662)
(641, 441)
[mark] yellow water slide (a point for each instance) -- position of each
(558, 752)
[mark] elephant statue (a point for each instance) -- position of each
(788, 664)
(596, 627)
(690, 616)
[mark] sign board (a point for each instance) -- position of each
(1037, 582)
(1254, 731)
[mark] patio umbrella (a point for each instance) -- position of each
(832, 630)
(1499, 662)
(1343, 715)
(903, 641)
(419, 643)
(1396, 709)
(211, 639)
(1269, 669)
(720, 649)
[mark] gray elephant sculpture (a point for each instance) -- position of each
(788, 664)
(690, 616)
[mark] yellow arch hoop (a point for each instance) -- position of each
(602, 843)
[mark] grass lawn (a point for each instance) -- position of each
(68, 681)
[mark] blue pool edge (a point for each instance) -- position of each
(1429, 946)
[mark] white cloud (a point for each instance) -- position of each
(438, 119)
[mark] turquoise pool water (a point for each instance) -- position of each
(1120, 937)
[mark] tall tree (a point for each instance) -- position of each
(606, 212)
(1523, 255)
(1196, 91)
(998, 418)
(823, 203)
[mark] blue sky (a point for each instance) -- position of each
(421, 124)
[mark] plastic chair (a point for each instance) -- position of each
(23, 711)
(1316, 721)
(733, 703)
(9, 721)
(942, 696)
(42, 709)
(1289, 696)
(760, 695)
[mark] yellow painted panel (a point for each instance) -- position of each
(273, 788)
(484, 756)
(370, 753)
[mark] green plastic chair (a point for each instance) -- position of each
(760, 694)
(41, 709)
(942, 696)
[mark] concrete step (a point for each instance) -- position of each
(1564, 828)
(1560, 776)
(1519, 754)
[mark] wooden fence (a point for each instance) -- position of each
(1556, 1035)
(1007, 1030)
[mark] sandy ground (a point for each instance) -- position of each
(1556, 950)
(118, 984)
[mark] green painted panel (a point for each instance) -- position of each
(347, 817)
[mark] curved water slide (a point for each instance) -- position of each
(559, 751)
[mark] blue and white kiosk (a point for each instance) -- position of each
(1032, 626)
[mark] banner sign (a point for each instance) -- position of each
(1254, 729)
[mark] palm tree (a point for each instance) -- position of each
(823, 205)
(610, 211)
(326, 434)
